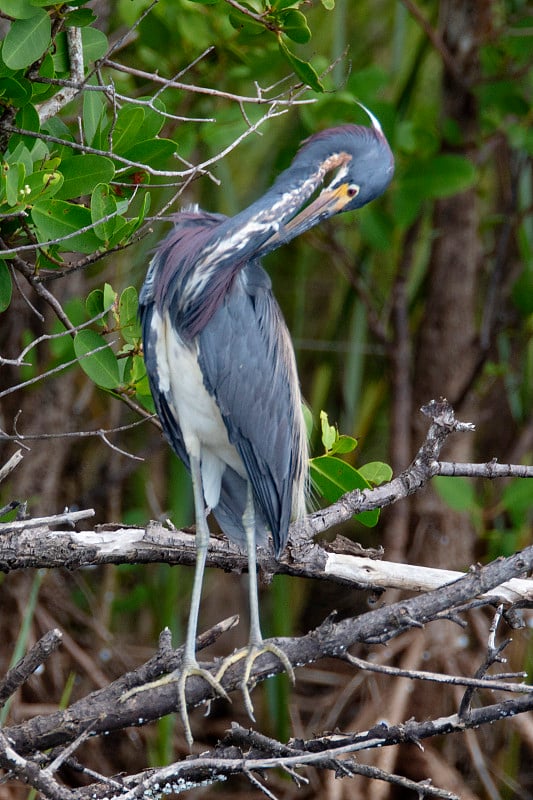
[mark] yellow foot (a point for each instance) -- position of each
(251, 653)
(180, 677)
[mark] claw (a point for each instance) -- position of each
(251, 654)
(180, 677)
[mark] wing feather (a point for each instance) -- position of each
(248, 364)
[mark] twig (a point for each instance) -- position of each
(10, 465)
(329, 639)
(259, 99)
(493, 655)
(490, 470)
(492, 684)
(66, 518)
(53, 371)
(28, 772)
(27, 665)
(47, 337)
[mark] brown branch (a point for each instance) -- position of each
(36, 656)
(104, 710)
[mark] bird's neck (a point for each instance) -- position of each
(259, 229)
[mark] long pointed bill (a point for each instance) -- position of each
(328, 203)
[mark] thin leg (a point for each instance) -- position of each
(202, 543)
(189, 665)
(256, 645)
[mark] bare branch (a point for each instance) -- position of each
(66, 518)
(60, 368)
(492, 684)
(27, 665)
(54, 105)
(10, 465)
(259, 99)
(48, 337)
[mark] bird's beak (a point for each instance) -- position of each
(328, 203)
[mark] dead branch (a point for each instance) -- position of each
(38, 542)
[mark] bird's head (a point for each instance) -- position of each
(357, 165)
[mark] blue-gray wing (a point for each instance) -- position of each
(247, 362)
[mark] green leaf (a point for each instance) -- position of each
(308, 419)
(153, 152)
(125, 128)
(16, 90)
(127, 310)
(26, 40)
(100, 366)
(457, 493)
(343, 444)
(28, 119)
(6, 287)
(83, 173)
(102, 205)
(247, 25)
(144, 397)
(329, 432)
(95, 304)
(20, 154)
(333, 443)
(80, 17)
(135, 373)
(303, 69)
(14, 176)
(153, 119)
(95, 44)
(94, 108)
(145, 208)
(333, 478)
(19, 9)
(294, 25)
(55, 219)
(110, 296)
(376, 472)
(281, 5)
(329, 5)
(41, 185)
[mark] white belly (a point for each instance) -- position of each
(201, 423)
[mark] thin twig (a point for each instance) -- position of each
(492, 684)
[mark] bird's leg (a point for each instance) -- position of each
(189, 665)
(256, 645)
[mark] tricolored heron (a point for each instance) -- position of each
(221, 365)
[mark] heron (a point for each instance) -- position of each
(222, 369)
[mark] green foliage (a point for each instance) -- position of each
(77, 198)
(5, 286)
(118, 365)
(333, 477)
(27, 39)
(97, 359)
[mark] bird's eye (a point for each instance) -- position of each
(352, 190)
